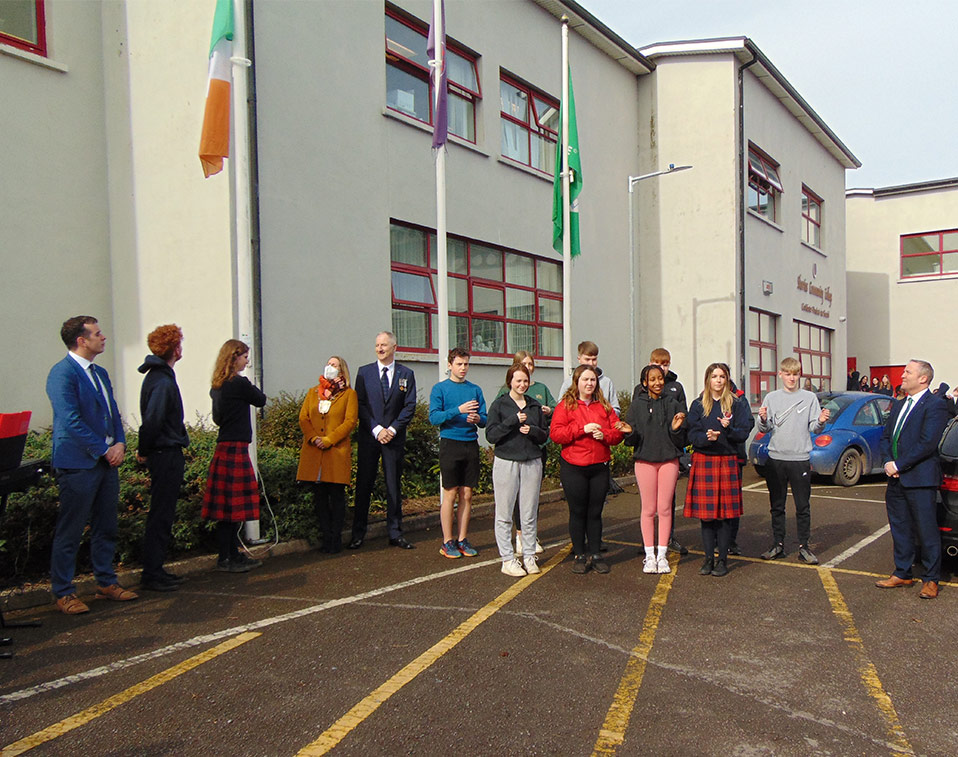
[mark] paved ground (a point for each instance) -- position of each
(385, 652)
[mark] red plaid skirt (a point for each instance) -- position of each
(715, 487)
(232, 493)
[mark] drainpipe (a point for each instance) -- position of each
(740, 184)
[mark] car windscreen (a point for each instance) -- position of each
(836, 404)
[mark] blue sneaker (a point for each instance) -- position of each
(450, 550)
(467, 549)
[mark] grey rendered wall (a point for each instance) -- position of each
(334, 168)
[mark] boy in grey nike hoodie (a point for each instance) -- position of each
(790, 415)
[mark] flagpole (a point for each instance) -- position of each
(442, 284)
(566, 231)
(242, 208)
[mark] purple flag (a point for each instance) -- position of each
(440, 119)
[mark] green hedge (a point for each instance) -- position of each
(26, 532)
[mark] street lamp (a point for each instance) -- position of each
(633, 180)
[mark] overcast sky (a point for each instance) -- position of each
(881, 74)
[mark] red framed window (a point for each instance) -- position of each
(409, 86)
(811, 218)
(530, 125)
(933, 253)
(764, 184)
(813, 348)
(500, 300)
(762, 354)
(22, 24)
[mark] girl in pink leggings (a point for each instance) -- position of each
(658, 435)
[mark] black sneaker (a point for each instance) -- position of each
(172, 577)
(720, 568)
(775, 552)
(581, 564)
(806, 555)
(707, 567)
(599, 565)
(244, 559)
(231, 566)
(674, 546)
(733, 549)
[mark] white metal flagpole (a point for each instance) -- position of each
(566, 231)
(242, 207)
(442, 283)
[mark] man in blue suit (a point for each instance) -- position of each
(88, 447)
(387, 401)
(909, 450)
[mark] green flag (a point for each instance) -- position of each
(575, 187)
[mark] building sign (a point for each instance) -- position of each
(823, 294)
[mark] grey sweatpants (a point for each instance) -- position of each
(510, 477)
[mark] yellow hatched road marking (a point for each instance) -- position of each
(92, 713)
(867, 671)
(617, 719)
(345, 725)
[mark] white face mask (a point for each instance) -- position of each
(331, 373)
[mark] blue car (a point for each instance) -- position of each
(847, 448)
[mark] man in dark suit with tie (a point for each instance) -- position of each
(88, 447)
(387, 401)
(909, 450)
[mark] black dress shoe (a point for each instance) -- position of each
(401, 543)
(674, 546)
(158, 584)
(733, 549)
(355, 544)
(172, 578)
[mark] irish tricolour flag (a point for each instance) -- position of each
(215, 139)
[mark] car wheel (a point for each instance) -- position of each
(849, 469)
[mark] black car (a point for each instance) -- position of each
(948, 493)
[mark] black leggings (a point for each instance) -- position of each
(585, 487)
(329, 504)
(227, 538)
(717, 531)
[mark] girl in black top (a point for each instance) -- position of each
(232, 494)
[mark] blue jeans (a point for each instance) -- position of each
(86, 496)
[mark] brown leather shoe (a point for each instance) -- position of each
(115, 592)
(70, 605)
(894, 582)
(929, 590)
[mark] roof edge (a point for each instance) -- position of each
(901, 189)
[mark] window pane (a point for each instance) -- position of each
(514, 102)
(817, 365)
(806, 363)
(816, 342)
(826, 366)
(405, 42)
(767, 324)
(410, 329)
(456, 291)
(487, 336)
(768, 359)
(753, 320)
(805, 335)
(826, 340)
(462, 117)
(485, 263)
(407, 245)
(456, 256)
(814, 236)
(458, 331)
(754, 358)
(521, 305)
(515, 141)
(547, 114)
(461, 70)
(550, 310)
(549, 276)
(920, 265)
(914, 245)
(521, 336)
(410, 287)
(826, 384)
(949, 263)
(520, 270)
(950, 241)
(487, 301)
(19, 19)
(543, 154)
(550, 342)
(407, 93)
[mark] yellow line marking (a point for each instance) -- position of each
(92, 713)
(617, 719)
(866, 669)
(348, 722)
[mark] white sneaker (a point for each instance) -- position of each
(518, 542)
(662, 564)
(513, 568)
(539, 549)
(531, 565)
(650, 565)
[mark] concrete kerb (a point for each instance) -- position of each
(39, 594)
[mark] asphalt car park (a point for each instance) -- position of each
(385, 651)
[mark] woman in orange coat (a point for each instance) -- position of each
(328, 416)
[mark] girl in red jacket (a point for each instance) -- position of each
(586, 426)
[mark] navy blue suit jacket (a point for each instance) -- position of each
(81, 423)
(396, 410)
(917, 460)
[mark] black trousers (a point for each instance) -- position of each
(780, 474)
(585, 487)
(367, 465)
(329, 504)
(166, 478)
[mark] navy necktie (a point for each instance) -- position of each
(99, 388)
(385, 382)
